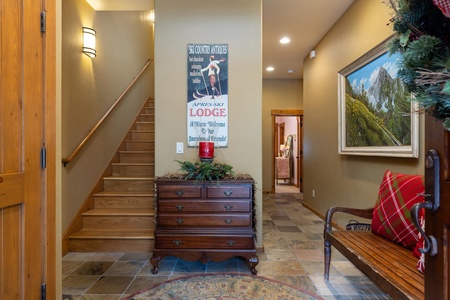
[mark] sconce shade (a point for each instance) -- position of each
(89, 42)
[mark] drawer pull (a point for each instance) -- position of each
(179, 193)
(180, 221)
(228, 221)
(228, 193)
(177, 242)
(228, 207)
(179, 207)
(231, 242)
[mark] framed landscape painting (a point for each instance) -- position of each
(376, 114)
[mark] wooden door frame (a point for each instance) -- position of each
(285, 113)
(52, 273)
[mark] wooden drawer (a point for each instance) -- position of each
(179, 191)
(200, 220)
(229, 192)
(180, 241)
(203, 206)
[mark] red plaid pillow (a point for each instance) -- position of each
(391, 215)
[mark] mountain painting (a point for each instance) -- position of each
(377, 105)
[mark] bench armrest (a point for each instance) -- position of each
(363, 213)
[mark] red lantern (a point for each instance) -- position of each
(206, 149)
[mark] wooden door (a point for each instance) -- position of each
(23, 195)
(437, 224)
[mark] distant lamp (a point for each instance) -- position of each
(312, 54)
(89, 42)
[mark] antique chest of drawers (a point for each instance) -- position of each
(204, 222)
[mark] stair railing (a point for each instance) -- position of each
(91, 132)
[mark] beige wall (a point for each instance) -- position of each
(343, 180)
(277, 94)
(233, 22)
(91, 86)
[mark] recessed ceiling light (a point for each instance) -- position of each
(285, 40)
(270, 69)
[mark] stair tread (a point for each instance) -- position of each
(133, 164)
(137, 151)
(120, 212)
(123, 194)
(139, 141)
(143, 130)
(128, 178)
(113, 234)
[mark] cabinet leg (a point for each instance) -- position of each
(155, 261)
(253, 261)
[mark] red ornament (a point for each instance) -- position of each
(206, 149)
(444, 6)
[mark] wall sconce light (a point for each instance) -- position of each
(312, 54)
(152, 16)
(89, 42)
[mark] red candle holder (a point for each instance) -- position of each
(206, 150)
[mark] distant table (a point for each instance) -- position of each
(282, 165)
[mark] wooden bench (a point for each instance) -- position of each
(389, 265)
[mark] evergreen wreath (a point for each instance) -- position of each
(423, 41)
(205, 171)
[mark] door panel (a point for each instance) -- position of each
(22, 196)
(437, 224)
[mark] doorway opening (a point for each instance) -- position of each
(287, 162)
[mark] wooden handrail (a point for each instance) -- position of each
(91, 132)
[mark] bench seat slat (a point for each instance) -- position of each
(389, 265)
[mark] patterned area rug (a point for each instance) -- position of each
(223, 287)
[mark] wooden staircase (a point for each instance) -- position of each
(122, 219)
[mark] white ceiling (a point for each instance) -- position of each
(305, 22)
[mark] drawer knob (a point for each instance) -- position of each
(228, 207)
(179, 207)
(231, 242)
(180, 221)
(177, 242)
(179, 193)
(228, 193)
(228, 221)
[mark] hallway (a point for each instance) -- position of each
(293, 254)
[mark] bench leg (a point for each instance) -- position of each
(327, 260)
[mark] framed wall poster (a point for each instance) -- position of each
(376, 114)
(207, 94)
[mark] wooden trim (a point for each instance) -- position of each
(51, 272)
(277, 113)
(286, 112)
(322, 216)
(91, 132)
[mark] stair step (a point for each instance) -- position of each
(149, 110)
(129, 184)
(140, 240)
(114, 234)
(131, 218)
(130, 212)
(137, 156)
(140, 145)
(145, 126)
(147, 117)
(133, 169)
(124, 200)
(143, 135)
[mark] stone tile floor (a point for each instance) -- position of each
(293, 254)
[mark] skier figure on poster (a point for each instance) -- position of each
(213, 71)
